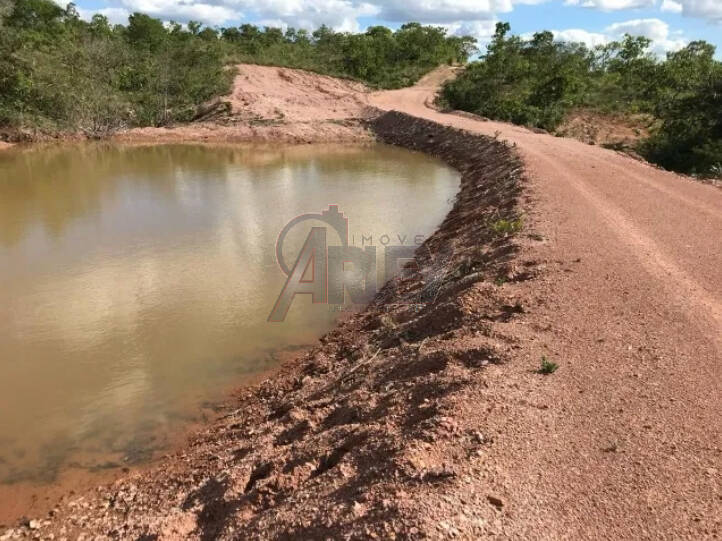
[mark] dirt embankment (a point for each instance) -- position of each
(623, 440)
(619, 132)
(350, 438)
(274, 104)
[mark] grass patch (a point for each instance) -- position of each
(507, 227)
(547, 366)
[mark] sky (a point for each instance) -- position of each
(670, 23)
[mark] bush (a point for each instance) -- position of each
(58, 72)
(537, 81)
(689, 106)
(531, 82)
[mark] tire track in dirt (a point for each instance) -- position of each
(696, 300)
(587, 170)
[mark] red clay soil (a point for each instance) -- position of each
(617, 131)
(420, 419)
(344, 441)
(624, 440)
(274, 104)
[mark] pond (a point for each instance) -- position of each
(136, 282)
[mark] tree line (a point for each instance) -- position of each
(539, 80)
(59, 72)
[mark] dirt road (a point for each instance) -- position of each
(672, 224)
(628, 441)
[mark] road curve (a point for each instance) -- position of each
(628, 443)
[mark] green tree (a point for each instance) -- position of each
(145, 32)
(688, 101)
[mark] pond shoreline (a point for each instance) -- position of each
(346, 131)
(35, 486)
(338, 413)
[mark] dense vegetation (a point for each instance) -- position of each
(537, 81)
(58, 72)
(380, 57)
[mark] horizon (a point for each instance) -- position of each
(671, 24)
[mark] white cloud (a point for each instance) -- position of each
(114, 15)
(650, 28)
(272, 23)
(447, 11)
(341, 15)
(663, 39)
(705, 9)
(611, 5)
(672, 6)
(183, 10)
(442, 11)
(654, 29)
(481, 30)
(577, 35)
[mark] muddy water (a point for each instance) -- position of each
(136, 282)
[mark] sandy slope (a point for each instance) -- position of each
(294, 95)
(275, 104)
(629, 441)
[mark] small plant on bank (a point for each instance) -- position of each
(507, 227)
(547, 366)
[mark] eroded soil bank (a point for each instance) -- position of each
(348, 439)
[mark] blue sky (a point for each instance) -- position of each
(671, 23)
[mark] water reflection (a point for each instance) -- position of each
(135, 282)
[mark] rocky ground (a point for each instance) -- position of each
(623, 441)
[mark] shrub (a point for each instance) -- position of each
(537, 81)
(547, 366)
